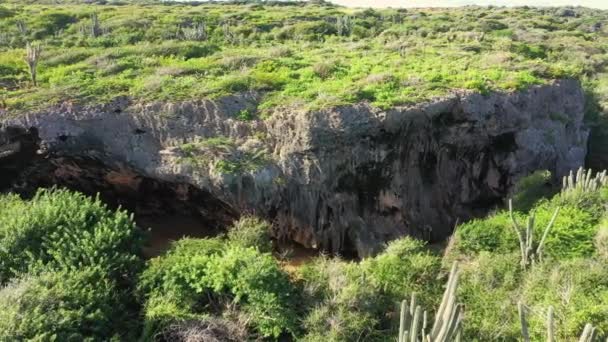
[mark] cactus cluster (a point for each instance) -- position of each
(344, 25)
(197, 32)
(584, 181)
(530, 253)
(413, 323)
(588, 334)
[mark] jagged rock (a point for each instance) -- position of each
(345, 179)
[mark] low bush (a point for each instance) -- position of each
(492, 234)
(67, 305)
(572, 234)
(343, 306)
(577, 289)
(601, 241)
(531, 189)
(250, 231)
(198, 278)
(488, 288)
(405, 267)
(60, 229)
(359, 301)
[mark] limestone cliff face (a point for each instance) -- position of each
(345, 179)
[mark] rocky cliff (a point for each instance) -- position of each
(344, 179)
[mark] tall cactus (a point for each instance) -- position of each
(584, 181)
(588, 334)
(21, 27)
(448, 319)
(344, 25)
(32, 57)
(95, 26)
(530, 253)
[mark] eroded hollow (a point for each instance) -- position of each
(167, 210)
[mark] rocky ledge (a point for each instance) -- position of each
(345, 179)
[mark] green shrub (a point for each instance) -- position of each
(488, 288)
(572, 234)
(197, 277)
(405, 267)
(250, 231)
(6, 13)
(51, 22)
(67, 305)
(601, 241)
(531, 189)
(324, 69)
(492, 234)
(351, 301)
(577, 289)
(343, 306)
(60, 229)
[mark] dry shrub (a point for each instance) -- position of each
(208, 330)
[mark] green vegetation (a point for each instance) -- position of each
(571, 278)
(313, 55)
(67, 267)
(59, 230)
(201, 277)
(250, 231)
(71, 271)
(224, 155)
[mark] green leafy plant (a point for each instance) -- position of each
(64, 230)
(66, 305)
(530, 189)
(197, 277)
(250, 231)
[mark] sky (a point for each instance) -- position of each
(450, 3)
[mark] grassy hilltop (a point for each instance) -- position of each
(313, 55)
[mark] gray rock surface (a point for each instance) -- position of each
(345, 179)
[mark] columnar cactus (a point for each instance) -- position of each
(32, 57)
(95, 26)
(530, 253)
(584, 181)
(448, 319)
(588, 335)
(344, 25)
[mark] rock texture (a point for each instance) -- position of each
(345, 179)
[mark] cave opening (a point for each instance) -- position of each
(166, 211)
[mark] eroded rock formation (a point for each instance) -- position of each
(345, 179)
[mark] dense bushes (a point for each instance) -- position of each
(69, 267)
(251, 231)
(351, 301)
(68, 264)
(572, 278)
(571, 236)
(62, 230)
(205, 277)
(67, 305)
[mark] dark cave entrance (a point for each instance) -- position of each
(166, 211)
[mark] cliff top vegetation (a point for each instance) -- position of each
(313, 55)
